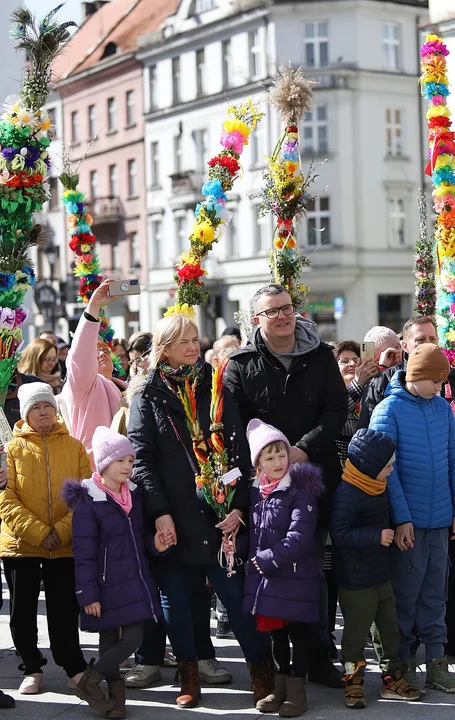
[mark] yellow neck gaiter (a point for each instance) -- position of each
(365, 483)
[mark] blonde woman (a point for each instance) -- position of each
(40, 359)
(166, 468)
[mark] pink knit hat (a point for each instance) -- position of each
(109, 446)
(383, 338)
(260, 434)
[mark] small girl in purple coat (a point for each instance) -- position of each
(282, 586)
(113, 584)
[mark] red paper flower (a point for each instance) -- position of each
(189, 272)
(230, 163)
(74, 243)
(292, 128)
(439, 121)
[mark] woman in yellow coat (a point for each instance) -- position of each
(35, 538)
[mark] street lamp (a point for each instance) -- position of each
(52, 255)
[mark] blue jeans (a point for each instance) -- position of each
(419, 579)
(175, 583)
(153, 645)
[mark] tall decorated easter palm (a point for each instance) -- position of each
(24, 164)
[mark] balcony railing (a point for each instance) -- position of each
(105, 210)
(185, 183)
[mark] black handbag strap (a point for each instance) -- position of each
(178, 436)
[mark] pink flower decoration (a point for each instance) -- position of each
(452, 308)
(7, 318)
(233, 141)
(437, 100)
(441, 202)
(21, 316)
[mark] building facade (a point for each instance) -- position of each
(442, 18)
(366, 126)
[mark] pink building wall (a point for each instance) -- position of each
(111, 147)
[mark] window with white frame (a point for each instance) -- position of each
(115, 255)
(316, 44)
(155, 163)
(226, 58)
(201, 142)
(315, 131)
(132, 178)
(262, 241)
(393, 131)
(176, 80)
(75, 129)
(135, 260)
(111, 114)
(153, 87)
(397, 221)
(258, 146)
(318, 221)
(94, 184)
(391, 45)
(91, 122)
(113, 181)
(130, 103)
(201, 6)
(231, 237)
(255, 54)
(52, 133)
(177, 153)
(180, 233)
(156, 229)
(200, 72)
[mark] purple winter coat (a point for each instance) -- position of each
(282, 537)
(109, 555)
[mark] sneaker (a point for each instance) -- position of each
(210, 671)
(31, 684)
(410, 673)
(438, 676)
(140, 676)
(6, 701)
(395, 687)
(354, 697)
(169, 660)
(223, 631)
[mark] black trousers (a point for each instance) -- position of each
(299, 635)
(116, 645)
(23, 576)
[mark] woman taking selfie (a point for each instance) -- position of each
(166, 467)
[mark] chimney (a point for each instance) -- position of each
(90, 8)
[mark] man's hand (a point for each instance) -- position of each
(365, 370)
(391, 357)
(231, 522)
(387, 537)
(93, 609)
(296, 455)
(165, 526)
(100, 298)
(404, 536)
(452, 537)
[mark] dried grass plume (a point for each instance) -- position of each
(291, 94)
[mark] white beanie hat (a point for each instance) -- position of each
(30, 394)
(260, 434)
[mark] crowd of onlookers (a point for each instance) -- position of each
(344, 493)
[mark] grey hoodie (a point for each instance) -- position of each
(306, 340)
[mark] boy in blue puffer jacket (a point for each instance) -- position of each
(421, 492)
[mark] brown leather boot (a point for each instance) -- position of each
(88, 689)
(190, 688)
(262, 679)
(117, 693)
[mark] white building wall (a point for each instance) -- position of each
(360, 177)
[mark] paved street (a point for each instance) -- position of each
(158, 702)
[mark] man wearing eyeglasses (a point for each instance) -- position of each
(288, 378)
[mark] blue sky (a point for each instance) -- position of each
(72, 10)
